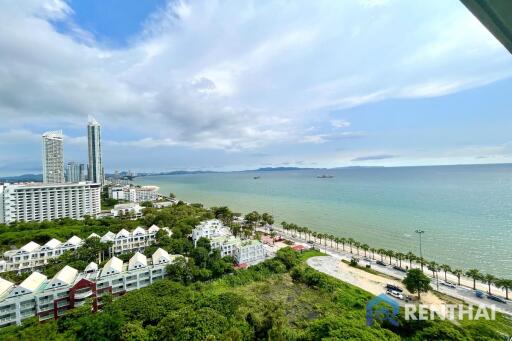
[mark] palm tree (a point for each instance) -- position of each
(399, 256)
(350, 242)
(411, 257)
(432, 266)
(373, 250)
(357, 245)
(458, 273)
(332, 238)
(365, 247)
(445, 268)
(422, 262)
(505, 284)
(475, 275)
(489, 279)
(390, 254)
(381, 252)
(343, 241)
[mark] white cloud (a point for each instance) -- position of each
(241, 74)
(340, 123)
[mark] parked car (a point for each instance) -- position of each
(479, 294)
(395, 294)
(393, 287)
(449, 285)
(396, 267)
(366, 259)
(381, 263)
(311, 242)
(496, 298)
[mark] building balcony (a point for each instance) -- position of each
(82, 295)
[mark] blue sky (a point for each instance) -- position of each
(230, 85)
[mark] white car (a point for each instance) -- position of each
(395, 294)
(449, 285)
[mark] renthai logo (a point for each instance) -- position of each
(382, 308)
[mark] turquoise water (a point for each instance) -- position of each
(466, 211)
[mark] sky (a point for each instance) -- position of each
(230, 85)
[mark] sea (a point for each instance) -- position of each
(465, 211)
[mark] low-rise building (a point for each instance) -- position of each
(209, 229)
(32, 255)
(221, 238)
(134, 193)
(129, 210)
(51, 298)
(249, 251)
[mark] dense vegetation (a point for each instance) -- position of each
(204, 298)
(280, 299)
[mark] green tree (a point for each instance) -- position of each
(458, 273)
(446, 268)
(505, 284)
(475, 275)
(416, 282)
(181, 270)
(489, 279)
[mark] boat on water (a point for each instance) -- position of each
(256, 177)
(325, 176)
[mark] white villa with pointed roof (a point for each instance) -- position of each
(33, 255)
(51, 298)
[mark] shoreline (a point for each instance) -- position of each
(387, 224)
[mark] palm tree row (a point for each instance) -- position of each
(388, 255)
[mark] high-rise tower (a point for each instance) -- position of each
(53, 157)
(95, 168)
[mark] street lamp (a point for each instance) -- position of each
(420, 232)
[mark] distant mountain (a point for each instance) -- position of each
(23, 178)
(279, 169)
(180, 172)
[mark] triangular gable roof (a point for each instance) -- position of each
(108, 237)
(30, 247)
(33, 282)
(138, 231)
(160, 256)
(5, 286)
(113, 266)
(93, 235)
(75, 241)
(137, 261)
(91, 267)
(122, 233)
(52, 244)
(154, 229)
(66, 276)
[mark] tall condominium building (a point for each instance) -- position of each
(53, 157)
(94, 140)
(38, 202)
(75, 172)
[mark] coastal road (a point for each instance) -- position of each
(459, 292)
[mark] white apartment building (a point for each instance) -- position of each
(38, 202)
(249, 251)
(32, 255)
(132, 210)
(243, 251)
(209, 229)
(53, 157)
(134, 193)
(50, 298)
